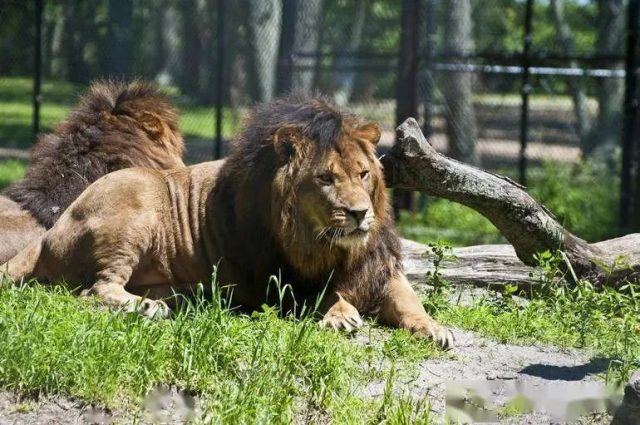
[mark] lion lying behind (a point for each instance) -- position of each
(115, 126)
(301, 195)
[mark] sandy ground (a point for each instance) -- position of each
(480, 375)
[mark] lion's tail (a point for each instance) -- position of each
(24, 264)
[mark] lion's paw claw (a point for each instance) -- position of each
(341, 321)
(439, 334)
(153, 309)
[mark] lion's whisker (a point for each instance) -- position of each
(337, 234)
(322, 232)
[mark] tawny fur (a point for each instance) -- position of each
(116, 125)
(301, 196)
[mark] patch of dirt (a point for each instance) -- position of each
(479, 376)
(56, 410)
(164, 405)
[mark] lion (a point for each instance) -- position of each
(301, 196)
(116, 125)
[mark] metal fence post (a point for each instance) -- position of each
(37, 69)
(429, 73)
(630, 154)
(526, 89)
(285, 50)
(407, 79)
(219, 80)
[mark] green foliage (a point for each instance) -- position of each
(10, 171)
(402, 345)
(584, 197)
(441, 251)
(516, 406)
(402, 410)
(444, 219)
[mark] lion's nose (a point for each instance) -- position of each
(358, 214)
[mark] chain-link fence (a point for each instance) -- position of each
(530, 89)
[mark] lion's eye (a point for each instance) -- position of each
(325, 179)
(364, 174)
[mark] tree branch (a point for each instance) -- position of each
(413, 164)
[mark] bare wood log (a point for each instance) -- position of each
(413, 164)
(481, 265)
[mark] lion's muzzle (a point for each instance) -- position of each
(359, 220)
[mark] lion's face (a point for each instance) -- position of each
(336, 189)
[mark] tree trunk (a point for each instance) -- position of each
(120, 37)
(456, 86)
(413, 164)
(345, 77)
(265, 18)
(57, 41)
(428, 73)
(609, 91)
(209, 33)
(576, 89)
(306, 43)
(172, 67)
(50, 19)
(158, 29)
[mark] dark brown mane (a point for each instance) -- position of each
(263, 228)
(116, 125)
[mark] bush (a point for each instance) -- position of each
(584, 197)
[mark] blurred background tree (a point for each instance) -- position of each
(348, 50)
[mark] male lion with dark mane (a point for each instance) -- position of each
(301, 195)
(115, 126)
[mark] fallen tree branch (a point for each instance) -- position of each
(413, 164)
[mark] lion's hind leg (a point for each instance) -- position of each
(23, 265)
(109, 288)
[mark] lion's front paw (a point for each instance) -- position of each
(153, 309)
(429, 328)
(342, 316)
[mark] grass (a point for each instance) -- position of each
(265, 368)
(196, 122)
(10, 171)
(442, 219)
(246, 369)
(603, 321)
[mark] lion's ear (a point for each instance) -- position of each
(151, 124)
(369, 132)
(286, 140)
